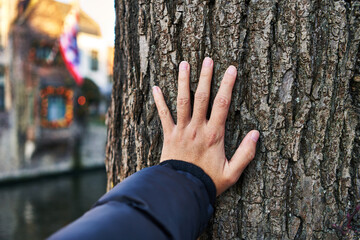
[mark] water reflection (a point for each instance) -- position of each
(35, 210)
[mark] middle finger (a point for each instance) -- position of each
(183, 98)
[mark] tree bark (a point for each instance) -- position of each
(298, 83)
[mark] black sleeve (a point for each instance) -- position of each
(173, 200)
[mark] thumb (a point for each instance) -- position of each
(244, 154)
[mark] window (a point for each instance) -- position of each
(45, 53)
(94, 62)
(56, 108)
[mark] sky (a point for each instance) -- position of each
(103, 12)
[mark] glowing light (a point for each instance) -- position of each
(81, 100)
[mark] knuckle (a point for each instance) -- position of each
(190, 133)
(249, 154)
(163, 112)
(183, 77)
(193, 134)
(201, 97)
(205, 74)
(183, 101)
(226, 82)
(222, 102)
(212, 138)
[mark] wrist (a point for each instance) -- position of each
(197, 172)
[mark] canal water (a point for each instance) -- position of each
(36, 209)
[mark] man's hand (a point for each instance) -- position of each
(199, 141)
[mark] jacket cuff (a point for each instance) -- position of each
(196, 172)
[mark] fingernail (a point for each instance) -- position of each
(232, 70)
(156, 89)
(207, 62)
(184, 65)
(255, 136)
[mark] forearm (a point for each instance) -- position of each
(170, 201)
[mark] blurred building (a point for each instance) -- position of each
(46, 100)
(93, 58)
(94, 66)
(7, 16)
(8, 133)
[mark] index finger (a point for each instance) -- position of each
(223, 98)
(163, 110)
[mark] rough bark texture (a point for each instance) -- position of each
(298, 83)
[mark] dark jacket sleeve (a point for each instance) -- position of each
(173, 200)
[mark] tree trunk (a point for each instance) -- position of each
(298, 83)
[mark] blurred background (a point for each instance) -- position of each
(52, 124)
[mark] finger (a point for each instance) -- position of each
(202, 94)
(244, 154)
(223, 98)
(183, 98)
(164, 113)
